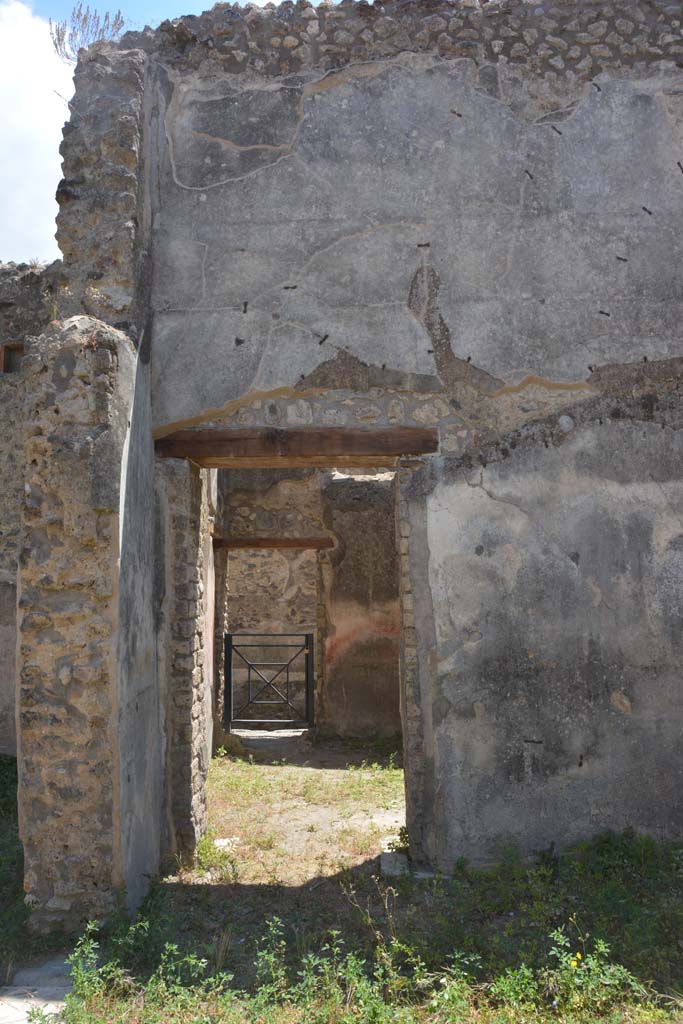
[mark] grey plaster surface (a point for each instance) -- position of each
(300, 209)
(140, 727)
(550, 642)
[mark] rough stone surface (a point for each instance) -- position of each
(10, 528)
(27, 304)
(187, 507)
(79, 738)
(271, 503)
(102, 153)
(295, 38)
(220, 629)
(272, 591)
(27, 299)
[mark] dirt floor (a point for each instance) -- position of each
(296, 828)
(291, 810)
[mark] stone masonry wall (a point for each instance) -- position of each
(220, 629)
(80, 380)
(272, 591)
(504, 267)
(10, 527)
(271, 503)
(99, 228)
(27, 299)
(188, 662)
(416, 738)
(26, 306)
(561, 41)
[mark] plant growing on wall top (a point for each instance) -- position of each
(83, 28)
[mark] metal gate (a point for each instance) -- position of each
(269, 680)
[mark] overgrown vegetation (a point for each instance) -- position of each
(593, 935)
(83, 28)
(570, 976)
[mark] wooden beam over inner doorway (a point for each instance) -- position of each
(270, 447)
(274, 542)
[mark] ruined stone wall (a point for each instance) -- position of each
(89, 765)
(220, 629)
(187, 504)
(271, 503)
(26, 303)
(100, 229)
(409, 213)
(10, 526)
(440, 215)
(27, 299)
(561, 42)
(416, 734)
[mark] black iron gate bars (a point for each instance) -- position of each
(269, 679)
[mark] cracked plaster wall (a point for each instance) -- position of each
(476, 238)
(456, 226)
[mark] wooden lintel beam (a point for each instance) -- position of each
(270, 446)
(287, 462)
(274, 542)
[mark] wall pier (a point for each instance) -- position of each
(87, 702)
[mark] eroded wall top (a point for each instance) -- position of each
(547, 38)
